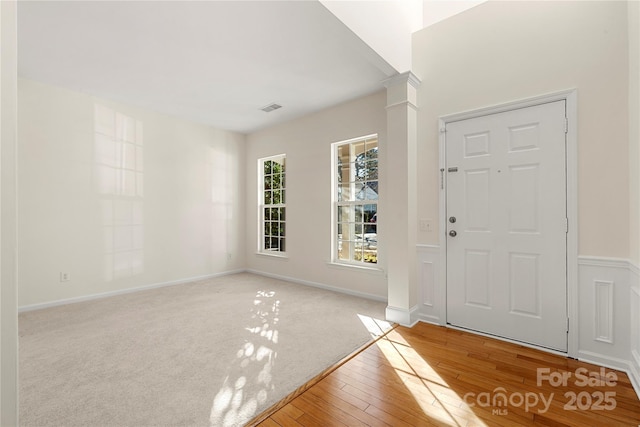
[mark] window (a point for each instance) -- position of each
(272, 195)
(356, 201)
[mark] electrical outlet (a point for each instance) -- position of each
(64, 277)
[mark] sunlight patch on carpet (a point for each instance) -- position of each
(236, 403)
(376, 327)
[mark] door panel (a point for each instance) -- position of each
(506, 187)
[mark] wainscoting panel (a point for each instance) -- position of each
(431, 290)
(605, 324)
(603, 300)
(428, 281)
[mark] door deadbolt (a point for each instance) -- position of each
(453, 233)
(452, 219)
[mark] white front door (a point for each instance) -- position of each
(506, 224)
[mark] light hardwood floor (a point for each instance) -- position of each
(430, 375)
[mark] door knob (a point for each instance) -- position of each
(452, 219)
(453, 233)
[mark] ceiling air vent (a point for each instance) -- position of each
(269, 108)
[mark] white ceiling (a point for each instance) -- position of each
(212, 62)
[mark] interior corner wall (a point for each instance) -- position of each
(498, 52)
(115, 214)
(8, 215)
(634, 178)
(307, 144)
(634, 129)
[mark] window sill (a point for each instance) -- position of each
(273, 255)
(366, 269)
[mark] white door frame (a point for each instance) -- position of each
(570, 96)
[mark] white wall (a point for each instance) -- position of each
(307, 145)
(8, 283)
(178, 214)
(386, 26)
(438, 10)
(498, 52)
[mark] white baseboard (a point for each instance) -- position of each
(56, 303)
(603, 360)
(319, 285)
(402, 316)
(634, 374)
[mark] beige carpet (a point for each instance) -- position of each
(209, 353)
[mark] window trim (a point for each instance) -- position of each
(261, 250)
(335, 260)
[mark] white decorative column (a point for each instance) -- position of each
(400, 199)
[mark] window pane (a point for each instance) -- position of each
(372, 150)
(274, 242)
(371, 171)
(267, 197)
(276, 180)
(370, 228)
(358, 148)
(347, 230)
(372, 191)
(267, 215)
(366, 192)
(275, 197)
(344, 171)
(282, 214)
(275, 167)
(343, 151)
(344, 250)
(344, 213)
(357, 253)
(370, 213)
(358, 212)
(343, 192)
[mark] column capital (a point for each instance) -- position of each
(402, 90)
(404, 78)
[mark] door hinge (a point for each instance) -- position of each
(566, 225)
(442, 178)
(567, 324)
(566, 125)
